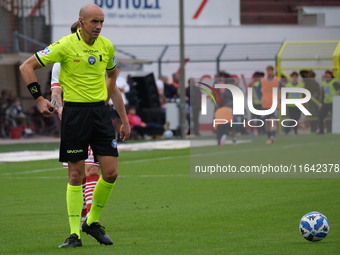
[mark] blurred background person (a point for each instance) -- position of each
(175, 79)
(293, 111)
(265, 92)
(330, 88)
(15, 117)
(4, 104)
(257, 76)
(139, 127)
(170, 91)
(313, 105)
(160, 88)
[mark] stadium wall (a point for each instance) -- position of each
(206, 35)
(145, 22)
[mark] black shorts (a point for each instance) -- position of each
(83, 124)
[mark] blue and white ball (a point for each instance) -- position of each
(168, 134)
(314, 226)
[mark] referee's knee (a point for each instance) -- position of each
(110, 176)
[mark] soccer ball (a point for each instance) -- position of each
(314, 226)
(168, 134)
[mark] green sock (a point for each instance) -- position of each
(74, 200)
(101, 194)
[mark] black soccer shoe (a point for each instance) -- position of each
(97, 231)
(71, 242)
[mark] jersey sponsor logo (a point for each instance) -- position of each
(44, 52)
(114, 61)
(114, 143)
(76, 60)
(90, 51)
(74, 151)
(92, 60)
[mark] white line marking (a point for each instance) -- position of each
(42, 155)
(119, 163)
(120, 176)
(35, 171)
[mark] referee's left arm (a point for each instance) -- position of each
(29, 77)
(111, 84)
(115, 95)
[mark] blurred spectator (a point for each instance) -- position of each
(132, 94)
(160, 88)
(330, 88)
(141, 128)
(170, 91)
(257, 76)
(15, 117)
(226, 129)
(227, 97)
(265, 92)
(4, 104)
(12, 96)
(313, 105)
(15, 114)
(4, 100)
(175, 79)
(123, 87)
(225, 94)
(222, 77)
(293, 111)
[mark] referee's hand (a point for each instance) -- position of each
(125, 131)
(46, 108)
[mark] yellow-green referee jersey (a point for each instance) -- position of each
(82, 67)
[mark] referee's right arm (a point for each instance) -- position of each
(29, 77)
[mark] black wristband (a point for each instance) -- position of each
(34, 89)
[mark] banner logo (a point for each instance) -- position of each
(204, 99)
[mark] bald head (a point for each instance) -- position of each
(90, 9)
(91, 19)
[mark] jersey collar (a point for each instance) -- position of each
(78, 34)
(81, 39)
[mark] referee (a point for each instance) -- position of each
(84, 57)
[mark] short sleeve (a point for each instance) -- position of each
(112, 63)
(51, 54)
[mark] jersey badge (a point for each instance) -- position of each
(92, 60)
(114, 143)
(44, 52)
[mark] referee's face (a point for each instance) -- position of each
(93, 23)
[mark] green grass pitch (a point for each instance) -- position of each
(158, 208)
